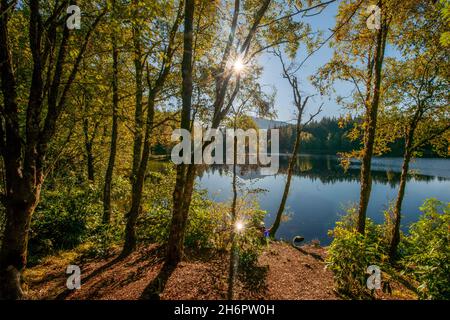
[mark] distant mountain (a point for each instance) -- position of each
(269, 124)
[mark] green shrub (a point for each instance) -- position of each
(350, 253)
(205, 225)
(64, 218)
(154, 221)
(70, 213)
(427, 250)
(204, 221)
(103, 240)
(209, 223)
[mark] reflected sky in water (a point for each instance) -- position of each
(320, 189)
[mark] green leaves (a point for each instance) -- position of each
(351, 253)
(445, 36)
(427, 250)
(65, 217)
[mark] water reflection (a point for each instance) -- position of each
(327, 169)
(321, 188)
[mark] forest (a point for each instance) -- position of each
(331, 136)
(94, 95)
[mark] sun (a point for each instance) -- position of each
(239, 226)
(238, 66)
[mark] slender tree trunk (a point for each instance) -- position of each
(366, 182)
(136, 195)
(232, 268)
(88, 149)
(90, 163)
(138, 113)
(292, 162)
(182, 190)
(395, 239)
(138, 184)
(369, 141)
(114, 136)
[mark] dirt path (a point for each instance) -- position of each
(283, 272)
(297, 276)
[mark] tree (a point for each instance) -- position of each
(24, 152)
(358, 59)
(142, 148)
(371, 116)
(418, 96)
(186, 174)
(266, 24)
(300, 103)
(179, 217)
(114, 127)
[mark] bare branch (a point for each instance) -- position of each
(320, 5)
(312, 116)
(330, 36)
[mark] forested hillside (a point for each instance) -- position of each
(333, 135)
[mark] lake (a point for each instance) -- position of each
(320, 189)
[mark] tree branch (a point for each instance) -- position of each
(323, 4)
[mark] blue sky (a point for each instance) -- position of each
(272, 73)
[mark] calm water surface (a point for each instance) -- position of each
(320, 189)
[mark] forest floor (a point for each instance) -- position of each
(283, 272)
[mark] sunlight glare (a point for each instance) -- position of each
(238, 65)
(239, 226)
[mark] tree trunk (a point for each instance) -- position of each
(13, 255)
(138, 183)
(369, 141)
(22, 196)
(184, 172)
(232, 268)
(395, 239)
(114, 136)
(174, 246)
(180, 214)
(366, 182)
(90, 163)
(88, 148)
(24, 157)
(292, 161)
(130, 230)
(23, 178)
(138, 113)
